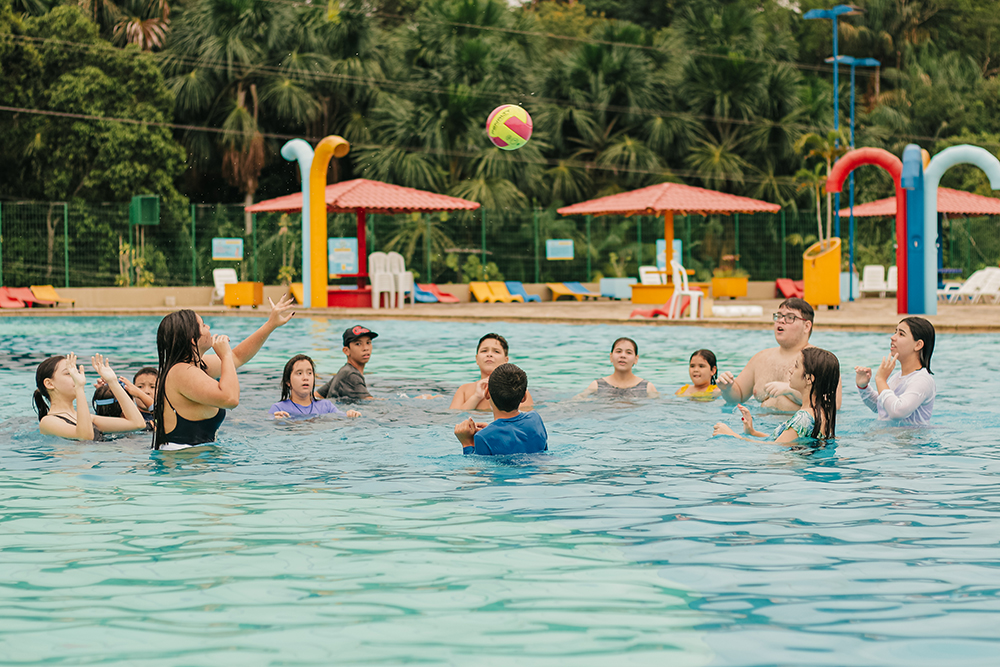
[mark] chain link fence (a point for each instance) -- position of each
(88, 244)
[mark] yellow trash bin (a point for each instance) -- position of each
(244, 294)
(821, 274)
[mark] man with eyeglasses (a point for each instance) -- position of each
(765, 377)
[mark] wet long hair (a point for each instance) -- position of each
(176, 343)
(923, 330)
(41, 397)
(286, 376)
(709, 358)
(824, 367)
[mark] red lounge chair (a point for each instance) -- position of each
(8, 301)
(788, 288)
(25, 294)
(663, 310)
(442, 297)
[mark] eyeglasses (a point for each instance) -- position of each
(786, 318)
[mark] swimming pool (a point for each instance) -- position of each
(637, 539)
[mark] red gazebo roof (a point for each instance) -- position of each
(676, 197)
(371, 196)
(954, 202)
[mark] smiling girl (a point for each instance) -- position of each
(298, 381)
(703, 371)
(907, 394)
(622, 382)
(816, 376)
(491, 352)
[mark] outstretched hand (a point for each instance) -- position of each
(282, 311)
(747, 418)
(776, 389)
(722, 429)
(863, 375)
(725, 379)
(104, 369)
(75, 372)
(886, 367)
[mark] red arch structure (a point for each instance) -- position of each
(892, 164)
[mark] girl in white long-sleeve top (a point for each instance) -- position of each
(905, 395)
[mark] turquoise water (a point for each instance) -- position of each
(637, 540)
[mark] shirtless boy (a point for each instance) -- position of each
(491, 352)
(766, 375)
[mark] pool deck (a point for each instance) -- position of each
(861, 315)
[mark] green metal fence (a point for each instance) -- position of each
(93, 244)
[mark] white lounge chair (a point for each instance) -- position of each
(402, 279)
(650, 275)
(970, 288)
(221, 278)
(681, 290)
(990, 290)
(381, 280)
(873, 280)
(891, 278)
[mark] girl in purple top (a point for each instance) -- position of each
(297, 384)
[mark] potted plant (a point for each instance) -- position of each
(727, 280)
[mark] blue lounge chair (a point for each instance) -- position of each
(578, 288)
(516, 288)
(423, 296)
(617, 288)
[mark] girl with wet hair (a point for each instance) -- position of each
(60, 382)
(905, 395)
(816, 376)
(703, 371)
(298, 382)
(622, 383)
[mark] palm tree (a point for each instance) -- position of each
(814, 180)
(829, 148)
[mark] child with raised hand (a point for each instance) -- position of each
(512, 431)
(298, 384)
(907, 394)
(142, 389)
(816, 376)
(59, 382)
(703, 371)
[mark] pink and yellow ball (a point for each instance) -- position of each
(509, 127)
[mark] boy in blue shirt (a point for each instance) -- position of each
(512, 431)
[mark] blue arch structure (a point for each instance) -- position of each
(299, 150)
(940, 163)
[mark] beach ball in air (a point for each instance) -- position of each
(509, 127)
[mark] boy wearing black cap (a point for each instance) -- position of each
(512, 431)
(349, 382)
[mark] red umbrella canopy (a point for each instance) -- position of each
(370, 196)
(954, 202)
(673, 197)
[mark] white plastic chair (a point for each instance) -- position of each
(873, 280)
(650, 275)
(402, 279)
(381, 279)
(221, 278)
(681, 290)
(970, 288)
(991, 290)
(891, 278)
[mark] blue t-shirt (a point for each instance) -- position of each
(295, 411)
(523, 434)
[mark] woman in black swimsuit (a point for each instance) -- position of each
(190, 403)
(59, 382)
(622, 382)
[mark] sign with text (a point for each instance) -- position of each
(559, 249)
(227, 250)
(342, 255)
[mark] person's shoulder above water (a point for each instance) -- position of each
(317, 407)
(522, 434)
(349, 382)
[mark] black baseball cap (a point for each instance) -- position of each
(351, 334)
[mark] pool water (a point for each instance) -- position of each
(638, 539)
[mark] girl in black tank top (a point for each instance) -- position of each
(623, 383)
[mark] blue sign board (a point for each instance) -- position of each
(559, 249)
(227, 250)
(342, 255)
(661, 253)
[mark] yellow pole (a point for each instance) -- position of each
(668, 236)
(329, 147)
